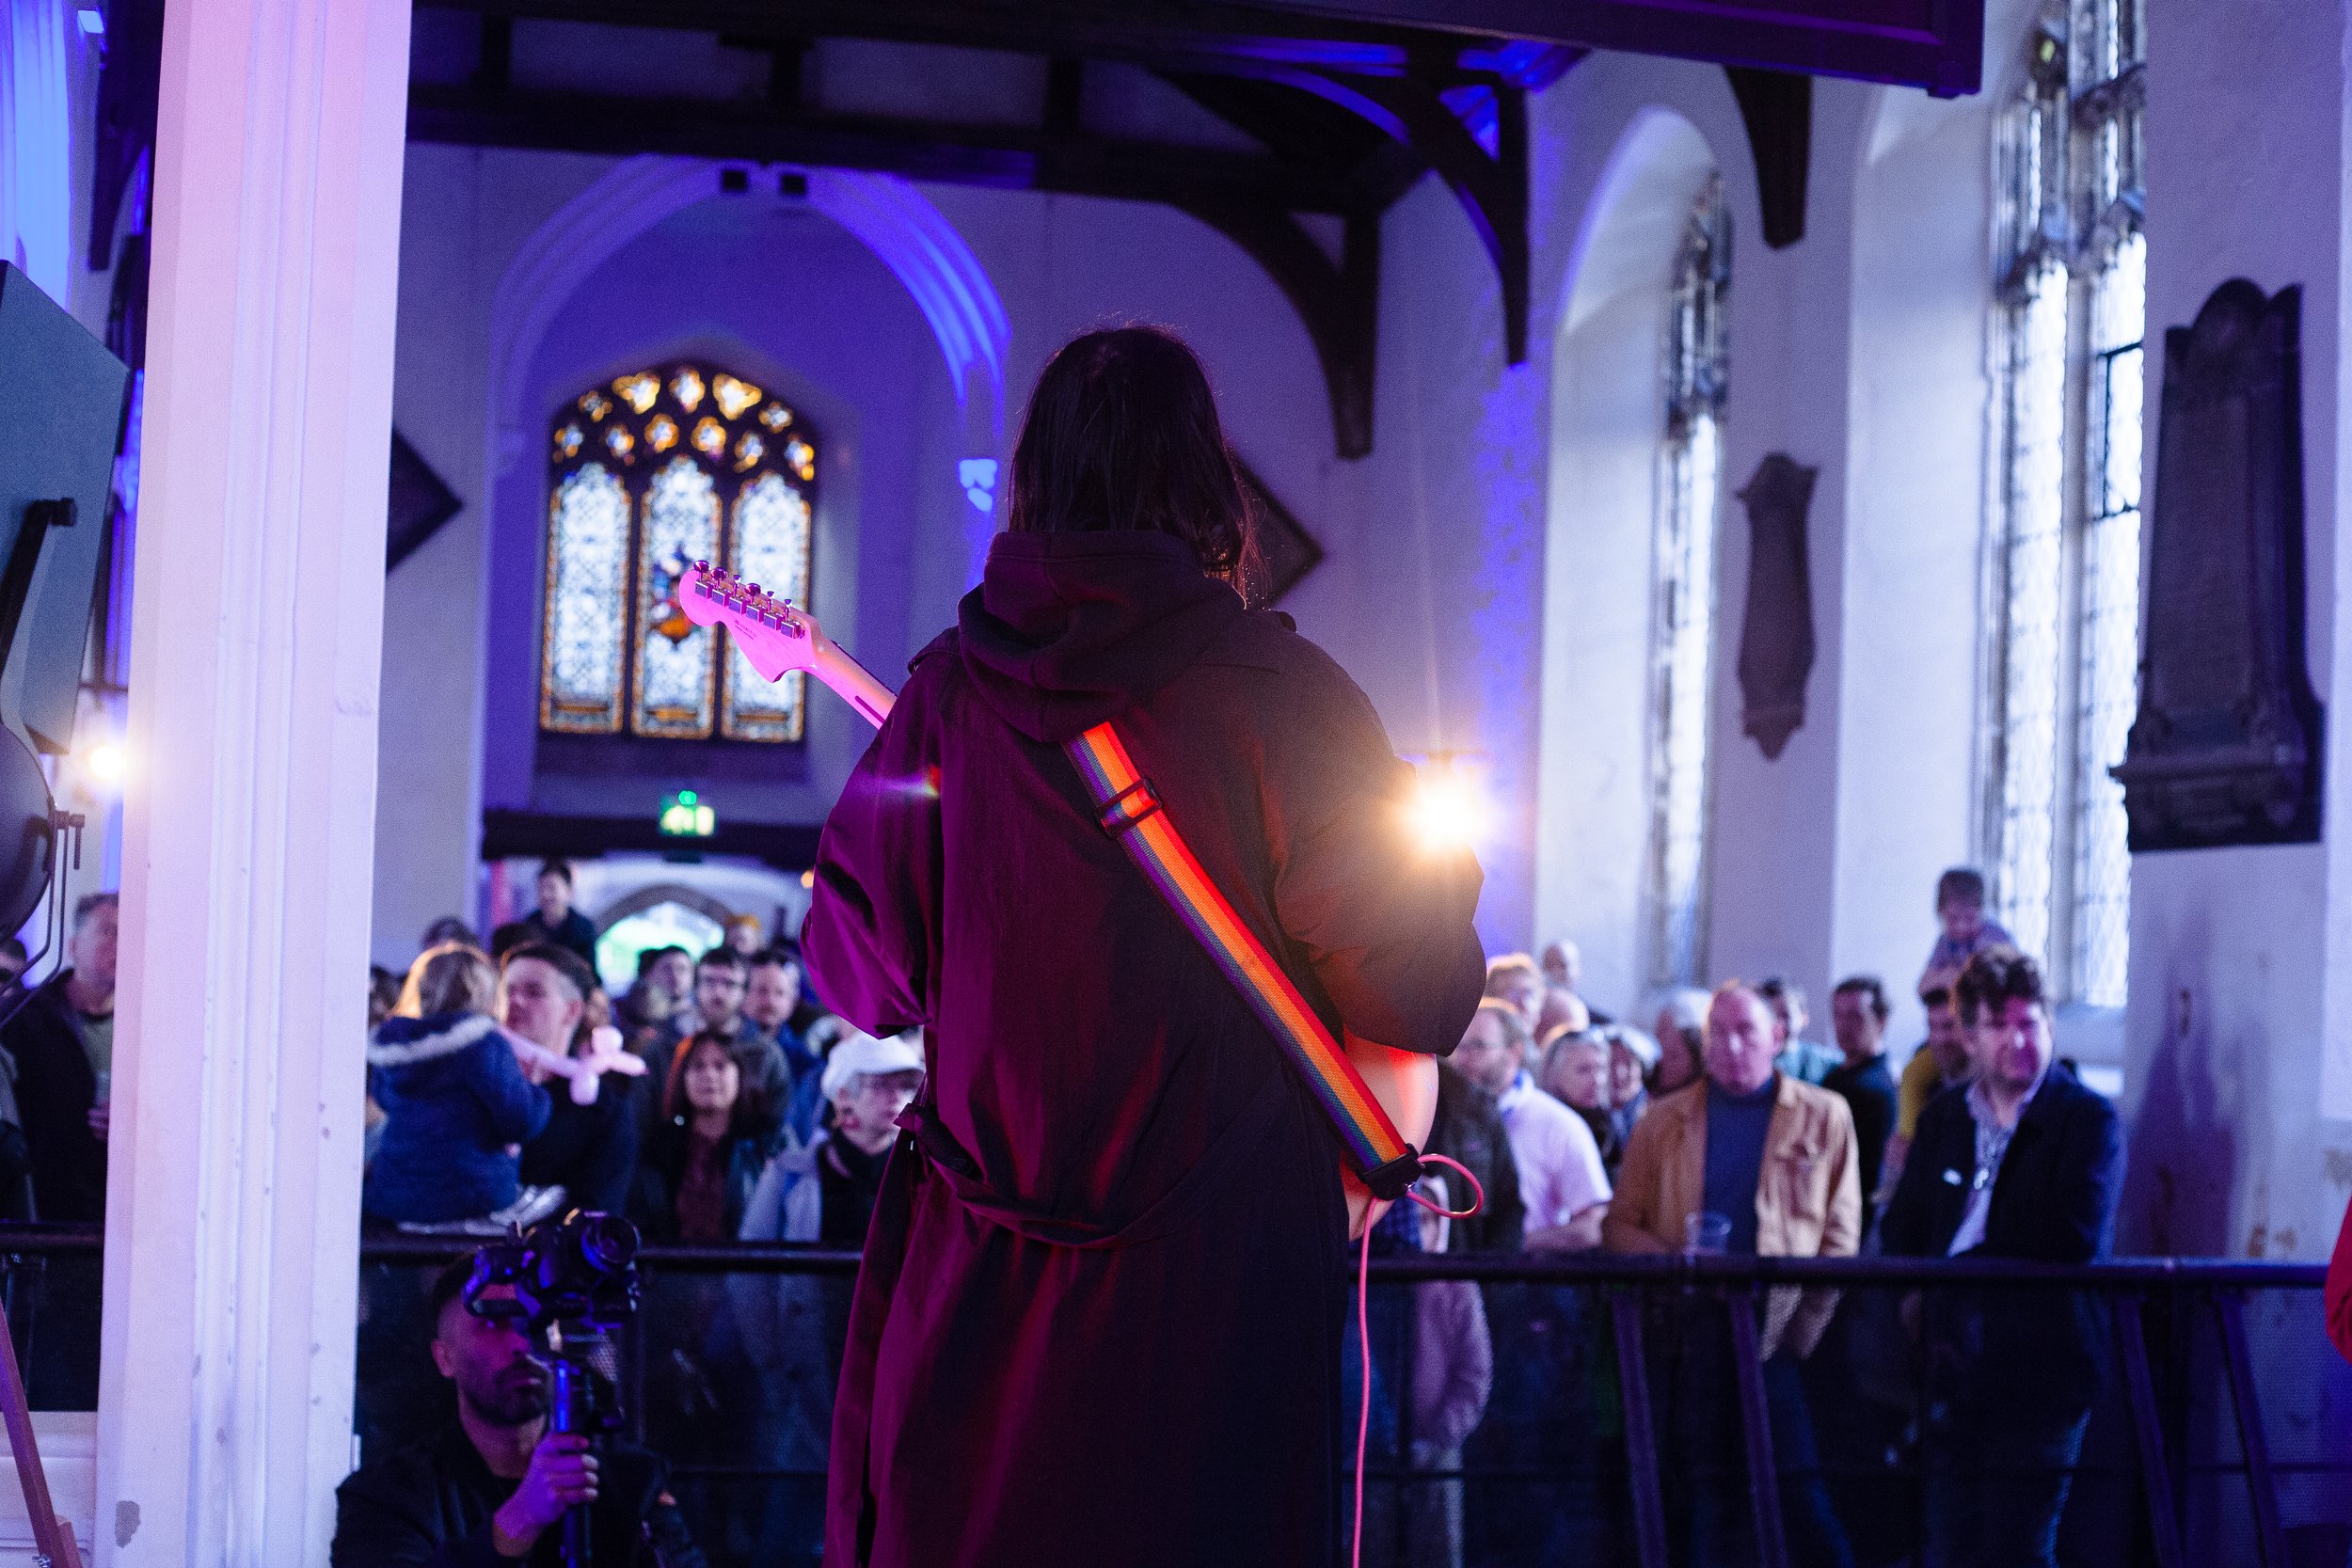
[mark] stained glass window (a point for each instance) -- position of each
(665, 463)
(2064, 679)
(1682, 614)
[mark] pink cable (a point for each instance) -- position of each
(1363, 1329)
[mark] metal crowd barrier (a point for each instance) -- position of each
(2207, 1369)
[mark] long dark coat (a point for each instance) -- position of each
(1113, 1335)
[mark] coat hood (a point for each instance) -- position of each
(400, 1042)
(1068, 629)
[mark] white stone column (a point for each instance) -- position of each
(233, 1195)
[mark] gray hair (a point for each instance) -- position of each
(1685, 1007)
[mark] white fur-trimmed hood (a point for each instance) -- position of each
(411, 1041)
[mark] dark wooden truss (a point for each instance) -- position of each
(1344, 104)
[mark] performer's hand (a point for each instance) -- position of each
(563, 1472)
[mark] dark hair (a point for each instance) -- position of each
(648, 957)
(449, 1285)
(1935, 996)
(1865, 985)
(514, 934)
(14, 947)
(1961, 884)
(450, 928)
(768, 958)
(562, 959)
(751, 1110)
(1782, 996)
(1995, 977)
(90, 904)
(558, 868)
(723, 957)
(1122, 435)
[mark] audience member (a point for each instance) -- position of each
(62, 1039)
(1563, 970)
(1960, 907)
(1561, 1179)
(455, 1099)
(1942, 1062)
(1754, 1163)
(1705, 1152)
(1468, 1128)
(721, 977)
(2024, 1163)
(447, 929)
(1576, 1073)
(1858, 1016)
(555, 920)
(1562, 1012)
(671, 968)
(743, 935)
(1681, 1041)
(516, 933)
(11, 958)
(493, 1485)
(1805, 1060)
(1633, 1056)
(589, 1150)
(696, 1174)
(383, 994)
(1515, 979)
(824, 1191)
(1453, 1375)
(771, 998)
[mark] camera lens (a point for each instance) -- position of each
(607, 1242)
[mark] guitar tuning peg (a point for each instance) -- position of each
(703, 566)
(752, 589)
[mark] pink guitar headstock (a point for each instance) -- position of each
(777, 638)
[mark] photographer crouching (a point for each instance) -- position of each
(494, 1486)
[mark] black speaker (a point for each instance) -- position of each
(61, 411)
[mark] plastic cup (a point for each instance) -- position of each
(1707, 1232)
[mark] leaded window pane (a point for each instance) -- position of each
(2110, 638)
(2073, 269)
(677, 659)
(662, 464)
(1683, 603)
(771, 547)
(586, 621)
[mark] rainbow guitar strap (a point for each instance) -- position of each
(1130, 809)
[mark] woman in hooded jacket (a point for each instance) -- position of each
(1099, 1316)
(455, 1100)
(716, 1135)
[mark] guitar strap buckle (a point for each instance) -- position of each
(1129, 807)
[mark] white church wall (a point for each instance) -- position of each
(464, 215)
(2242, 958)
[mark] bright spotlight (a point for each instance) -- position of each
(1449, 810)
(105, 761)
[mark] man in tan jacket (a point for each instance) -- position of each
(1746, 1160)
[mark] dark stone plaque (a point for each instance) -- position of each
(1776, 636)
(2226, 747)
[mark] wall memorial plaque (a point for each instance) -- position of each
(2226, 747)
(1776, 634)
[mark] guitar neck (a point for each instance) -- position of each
(853, 680)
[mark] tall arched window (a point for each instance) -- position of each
(1682, 614)
(700, 464)
(2064, 669)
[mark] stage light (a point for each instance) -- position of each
(105, 761)
(1449, 809)
(977, 475)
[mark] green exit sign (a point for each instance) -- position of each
(687, 815)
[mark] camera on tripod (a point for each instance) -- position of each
(574, 1285)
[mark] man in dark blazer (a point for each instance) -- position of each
(2023, 1162)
